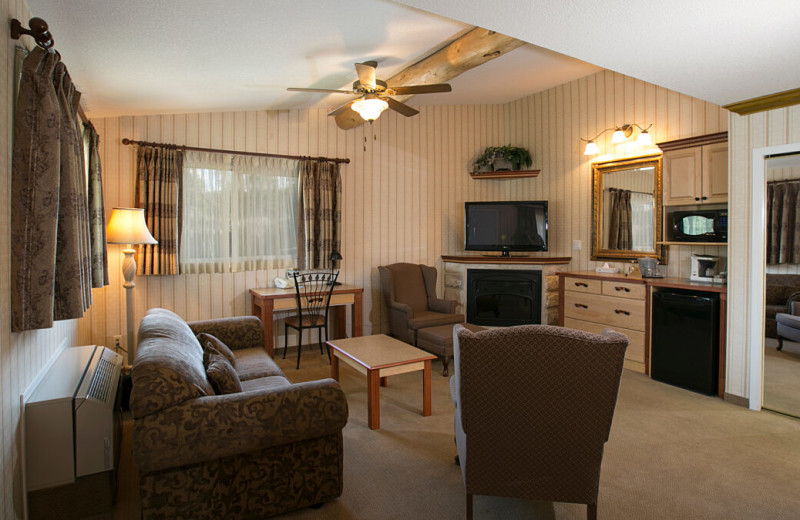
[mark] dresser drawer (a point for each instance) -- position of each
(635, 351)
(584, 285)
(607, 310)
(634, 291)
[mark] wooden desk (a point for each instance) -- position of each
(264, 302)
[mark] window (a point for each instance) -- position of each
(239, 213)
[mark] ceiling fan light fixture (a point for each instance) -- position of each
(369, 108)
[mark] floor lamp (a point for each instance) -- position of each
(127, 226)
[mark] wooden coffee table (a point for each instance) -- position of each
(378, 357)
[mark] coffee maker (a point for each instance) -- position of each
(704, 267)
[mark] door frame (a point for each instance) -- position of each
(758, 258)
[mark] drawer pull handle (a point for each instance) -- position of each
(581, 306)
(581, 284)
(622, 289)
(620, 311)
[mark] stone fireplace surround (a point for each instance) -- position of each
(455, 277)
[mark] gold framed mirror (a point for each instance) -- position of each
(626, 209)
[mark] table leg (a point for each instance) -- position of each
(340, 321)
(357, 314)
(373, 399)
(334, 364)
(426, 389)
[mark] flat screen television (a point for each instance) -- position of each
(506, 226)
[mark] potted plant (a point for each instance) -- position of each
(503, 158)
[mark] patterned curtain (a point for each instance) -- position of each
(158, 190)
(783, 222)
(51, 261)
(97, 214)
(621, 231)
(319, 213)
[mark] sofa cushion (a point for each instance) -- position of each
(207, 340)
(265, 383)
(252, 363)
(779, 294)
(425, 319)
(168, 368)
(222, 375)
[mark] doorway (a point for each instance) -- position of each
(781, 362)
(757, 260)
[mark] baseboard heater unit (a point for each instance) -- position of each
(72, 427)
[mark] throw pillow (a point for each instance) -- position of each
(222, 376)
(207, 340)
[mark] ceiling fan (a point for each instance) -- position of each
(375, 95)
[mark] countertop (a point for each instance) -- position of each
(669, 282)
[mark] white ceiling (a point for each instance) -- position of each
(156, 56)
(722, 51)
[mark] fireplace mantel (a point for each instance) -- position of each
(455, 277)
(506, 260)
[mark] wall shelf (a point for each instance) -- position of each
(505, 175)
(692, 243)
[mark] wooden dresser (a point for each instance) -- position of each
(596, 301)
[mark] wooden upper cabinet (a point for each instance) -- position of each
(695, 172)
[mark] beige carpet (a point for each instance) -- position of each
(782, 377)
(672, 454)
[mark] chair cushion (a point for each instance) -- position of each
(252, 363)
(212, 343)
(425, 319)
(313, 320)
(409, 286)
(222, 375)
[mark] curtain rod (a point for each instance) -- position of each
(632, 191)
(234, 152)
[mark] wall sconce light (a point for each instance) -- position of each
(621, 134)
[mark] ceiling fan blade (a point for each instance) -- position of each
(348, 119)
(400, 107)
(421, 89)
(366, 73)
(338, 110)
(326, 90)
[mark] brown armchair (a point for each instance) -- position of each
(534, 405)
(410, 294)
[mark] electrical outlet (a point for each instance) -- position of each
(117, 342)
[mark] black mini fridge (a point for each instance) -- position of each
(685, 346)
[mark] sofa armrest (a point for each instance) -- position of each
(445, 306)
(211, 427)
(238, 333)
(401, 307)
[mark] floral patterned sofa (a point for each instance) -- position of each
(271, 447)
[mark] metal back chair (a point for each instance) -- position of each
(313, 291)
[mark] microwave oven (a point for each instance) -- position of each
(703, 225)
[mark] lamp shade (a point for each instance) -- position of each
(127, 226)
(591, 149)
(644, 139)
(370, 108)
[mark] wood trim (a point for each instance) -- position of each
(592, 275)
(737, 400)
(689, 142)
(768, 102)
(497, 259)
(691, 244)
(505, 175)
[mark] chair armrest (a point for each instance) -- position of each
(212, 427)
(445, 306)
(793, 298)
(789, 320)
(401, 307)
(238, 333)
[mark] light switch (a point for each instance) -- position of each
(576, 245)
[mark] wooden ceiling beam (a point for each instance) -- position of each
(467, 51)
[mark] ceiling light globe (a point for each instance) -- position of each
(369, 109)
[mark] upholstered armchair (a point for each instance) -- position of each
(533, 410)
(409, 291)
